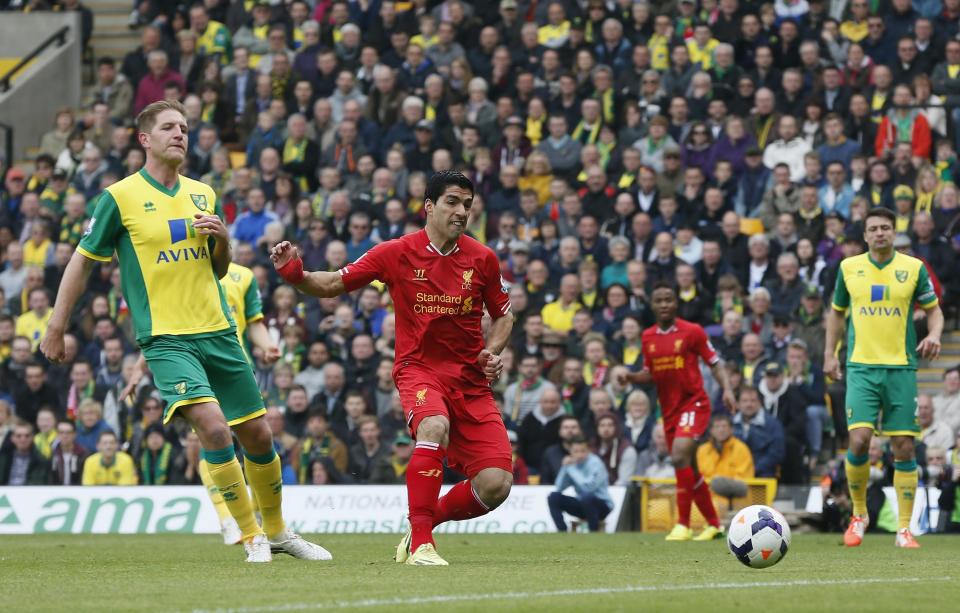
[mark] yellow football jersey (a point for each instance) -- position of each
(33, 327)
(878, 300)
(242, 298)
(166, 266)
(121, 472)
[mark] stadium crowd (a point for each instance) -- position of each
(731, 148)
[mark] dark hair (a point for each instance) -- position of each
(531, 354)
(107, 433)
(106, 61)
(663, 285)
(878, 211)
(69, 422)
(721, 417)
(438, 183)
(749, 389)
(578, 440)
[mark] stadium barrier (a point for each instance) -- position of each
(658, 503)
(310, 509)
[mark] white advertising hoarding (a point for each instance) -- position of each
(342, 509)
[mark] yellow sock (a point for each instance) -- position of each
(263, 472)
(905, 482)
(228, 477)
(858, 478)
(218, 504)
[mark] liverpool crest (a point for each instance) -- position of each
(467, 279)
(902, 275)
(199, 201)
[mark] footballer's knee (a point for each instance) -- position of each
(493, 485)
(859, 442)
(255, 436)
(903, 448)
(210, 424)
(435, 429)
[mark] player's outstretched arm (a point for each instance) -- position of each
(834, 324)
(71, 287)
(289, 266)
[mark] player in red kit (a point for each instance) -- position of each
(440, 282)
(672, 350)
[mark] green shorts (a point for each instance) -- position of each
(884, 399)
(208, 369)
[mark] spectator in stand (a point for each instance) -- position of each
(367, 455)
(723, 455)
(319, 442)
(933, 433)
(946, 404)
(152, 86)
(788, 404)
(761, 431)
(540, 429)
(656, 462)
(35, 394)
(588, 476)
(90, 423)
(554, 455)
(615, 450)
(789, 149)
(67, 456)
(394, 471)
(22, 463)
(109, 466)
(524, 396)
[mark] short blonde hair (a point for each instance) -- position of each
(90, 404)
(148, 116)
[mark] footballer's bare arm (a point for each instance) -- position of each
(318, 283)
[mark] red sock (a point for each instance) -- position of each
(424, 476)
(685, 483)
(704, 502)
(461, 502)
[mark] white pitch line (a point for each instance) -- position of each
(448, 598)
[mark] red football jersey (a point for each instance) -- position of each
(438, 301)
(671, 357)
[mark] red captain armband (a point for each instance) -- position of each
(292, 271)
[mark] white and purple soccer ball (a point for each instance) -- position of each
(759, 536)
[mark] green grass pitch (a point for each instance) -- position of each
(575, 572)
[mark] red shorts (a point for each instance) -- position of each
(690, 420)
(478, 438)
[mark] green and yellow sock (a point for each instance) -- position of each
(905, 482)
(263, 473)
(226, 474)
(218, 504)
(858, 478)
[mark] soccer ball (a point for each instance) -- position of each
(759, 536)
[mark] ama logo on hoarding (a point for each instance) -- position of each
(181, 230)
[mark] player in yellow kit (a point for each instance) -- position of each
(875, 296)
(245, 305)
(173, 248)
